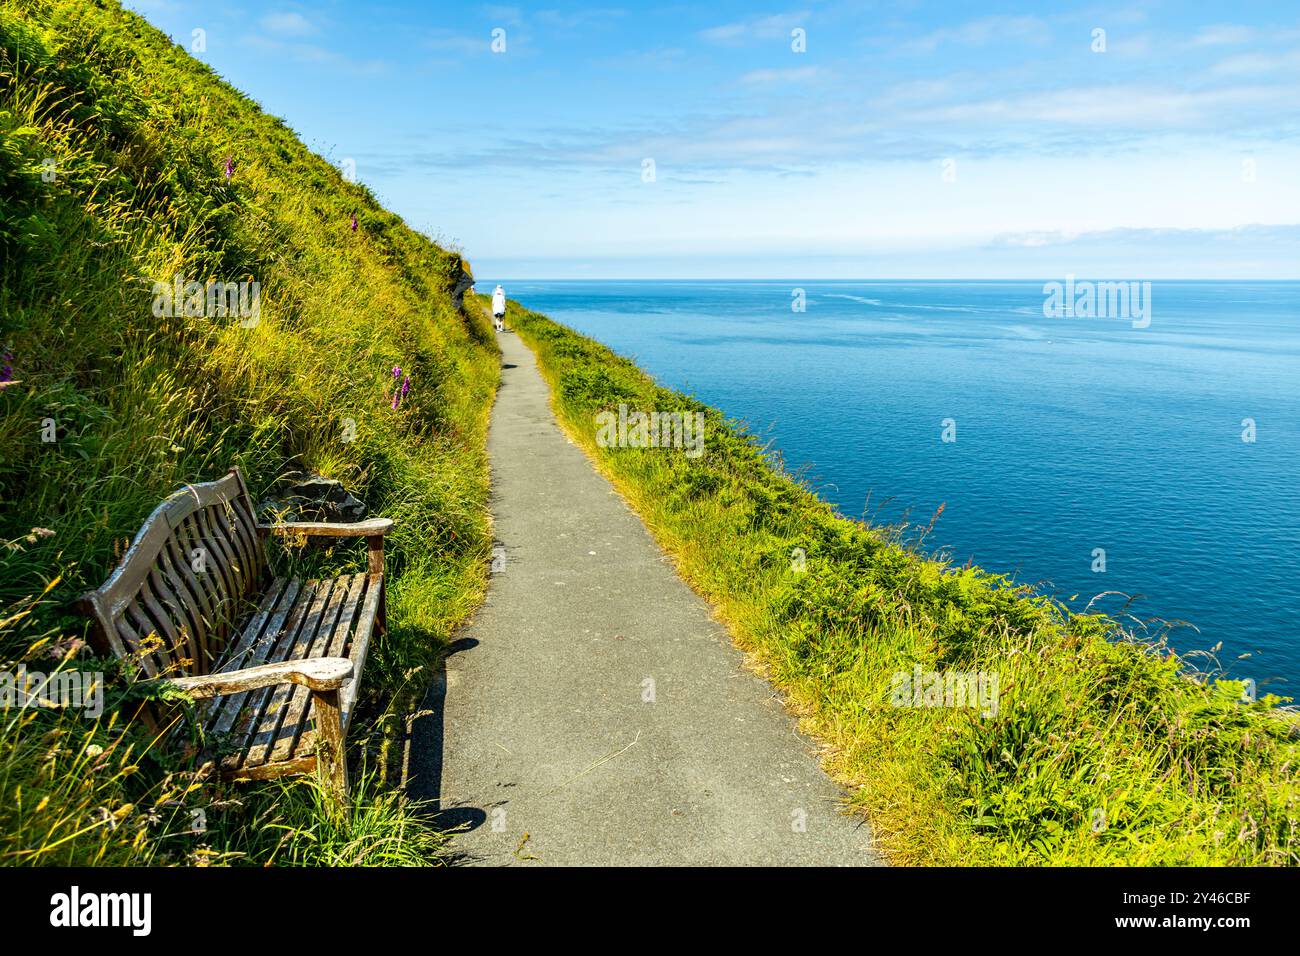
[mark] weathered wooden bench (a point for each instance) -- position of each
(275, 663)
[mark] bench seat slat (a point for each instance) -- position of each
(279, 708)
(270, 617)
(280, 730)
(297, 716)
(266, 650)
(310, 609)
(361, 646)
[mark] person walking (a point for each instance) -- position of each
(499, 308)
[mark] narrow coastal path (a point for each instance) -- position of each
(541, 742)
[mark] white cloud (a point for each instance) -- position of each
(464, 44)
(1252, 64)
(1223, 34)
(777, 26)
(1129, 106)
(801, 74)
(576, 19)
(319, 56)
(288, 23)
(913, 91)
(502, 15)
(986, 30)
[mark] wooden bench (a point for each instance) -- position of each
(275, 662)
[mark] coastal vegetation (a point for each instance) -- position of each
(128, 168)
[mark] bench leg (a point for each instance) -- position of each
(331, 756)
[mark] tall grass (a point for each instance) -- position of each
(1103, 749)
(113, 176)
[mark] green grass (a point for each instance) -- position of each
(139, 133)
(1103, 750)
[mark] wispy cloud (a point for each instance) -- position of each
(317, 55)
(987, 30)
(458, 44)
(655, 58)
(288, 23)
(1255, 64)
(501, 15)
(792, 76)
(776, 26)
(1222, 34)
(1148, 109)
(918, 121)
(567, 20)
(1254, 233)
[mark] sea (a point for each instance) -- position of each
(1144, 462)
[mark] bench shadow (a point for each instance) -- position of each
(427, 742)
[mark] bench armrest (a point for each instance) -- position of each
(370, 528)
(315, 673)
(373, 530)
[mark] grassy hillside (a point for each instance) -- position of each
(125, 162)
(1099, 749)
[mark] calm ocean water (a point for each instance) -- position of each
(1072, 434)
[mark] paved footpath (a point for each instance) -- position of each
(542, 741)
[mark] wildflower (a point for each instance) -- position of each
(230, 167)
(7, 371)
(354, 222)
(400, 393)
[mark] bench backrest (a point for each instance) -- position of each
(175, 597)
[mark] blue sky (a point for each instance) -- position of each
(926, 140)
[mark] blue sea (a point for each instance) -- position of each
(1071, 434)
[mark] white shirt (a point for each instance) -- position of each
(499, 301)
